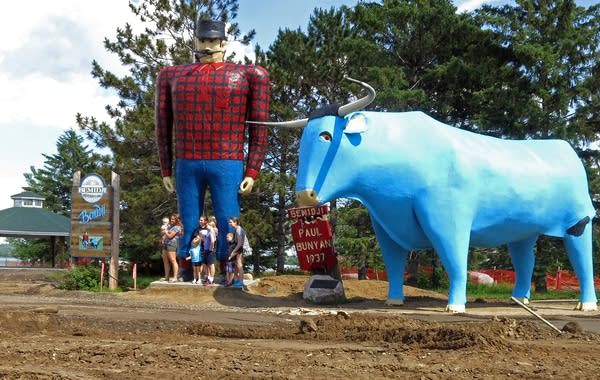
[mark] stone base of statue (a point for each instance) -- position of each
(323, 289)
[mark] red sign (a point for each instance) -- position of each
(312, 237)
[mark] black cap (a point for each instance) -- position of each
(211, 29)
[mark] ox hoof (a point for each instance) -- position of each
(394, 303)
(455, 309)
(523, 300)
(586, 306)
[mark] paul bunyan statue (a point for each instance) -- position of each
(202, 107)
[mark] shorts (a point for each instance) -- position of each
(172, 247)
(209, 257)
(230, 267)
(196, 263)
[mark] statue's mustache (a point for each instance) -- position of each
(206, 52)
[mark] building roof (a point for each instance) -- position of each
(32, 222)
(27, 194)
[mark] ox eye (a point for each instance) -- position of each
(326, 136)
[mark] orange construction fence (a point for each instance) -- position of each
(561, 279)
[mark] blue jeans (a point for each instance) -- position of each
(223, 177)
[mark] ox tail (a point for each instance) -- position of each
(578, 228)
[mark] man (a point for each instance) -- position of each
(209, 102)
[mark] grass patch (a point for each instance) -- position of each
(503, 291)
(126, 281)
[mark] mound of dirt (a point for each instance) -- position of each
(184, 331)
(282, 286)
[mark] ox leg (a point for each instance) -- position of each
(394, 258)
(523, 260)
(449, 233)
(579, 249)
(454, 258)
(453, 251)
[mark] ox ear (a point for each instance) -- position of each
(356, 124)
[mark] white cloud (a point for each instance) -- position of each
(45, 101)
(57, 59)
(46, 50)
(470, 5)
(239, 51)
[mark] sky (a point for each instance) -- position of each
(46, 50)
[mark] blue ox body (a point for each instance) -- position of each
(430, 185)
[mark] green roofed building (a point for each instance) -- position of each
(28, 219)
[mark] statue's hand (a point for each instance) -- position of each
(168, 184)
(246, 185)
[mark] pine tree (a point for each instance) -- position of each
(54, 182)
(355, 240)
(553, 48)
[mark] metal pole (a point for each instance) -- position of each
(535, 314)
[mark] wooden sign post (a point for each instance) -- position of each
(95, 220)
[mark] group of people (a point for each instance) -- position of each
(202, 251)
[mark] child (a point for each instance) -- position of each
(196, 258)
(163, 230)
(165, 225)
(238, 253)
(230, 267)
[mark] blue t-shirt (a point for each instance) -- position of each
(196, 253)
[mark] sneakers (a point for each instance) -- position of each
(209, 283)
(172, 279)
(194, 282)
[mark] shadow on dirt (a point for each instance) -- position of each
(247, 299)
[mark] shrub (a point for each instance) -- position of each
(81, 278)
(433, 281)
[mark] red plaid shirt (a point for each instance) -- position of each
(208, 105)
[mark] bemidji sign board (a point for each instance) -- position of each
(312, 237)
(91, 217)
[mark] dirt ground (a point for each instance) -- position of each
(182, 331)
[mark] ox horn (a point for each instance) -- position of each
(301, 123)
(342, 111)
(360, 103)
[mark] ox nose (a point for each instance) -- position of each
(307, 198)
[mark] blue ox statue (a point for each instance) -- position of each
(430, 185)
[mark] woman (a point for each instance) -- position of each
(237, 253)
(169, 253)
